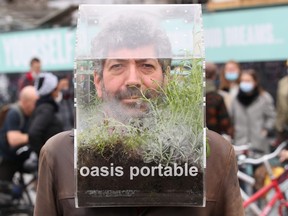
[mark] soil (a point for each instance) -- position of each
(141, 191)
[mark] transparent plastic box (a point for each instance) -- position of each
(140, 138)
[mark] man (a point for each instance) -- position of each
(29, 77)
(14, 134)
(129, 73)
(125, 79)
(131, 67)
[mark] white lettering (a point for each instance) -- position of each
(84, 171)
(119, 171)
(260, 34)
(178, 171)
(213, 37)
(132, 173)
(168, 171)
(53, 48)
(69, 42)
(145, 171)
(7, 52)
(104, 171)
(193, 171)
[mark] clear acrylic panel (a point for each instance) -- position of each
(139, 106)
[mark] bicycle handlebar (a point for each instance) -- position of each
(265, 157)
(240, 148)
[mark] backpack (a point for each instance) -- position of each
(4, 111)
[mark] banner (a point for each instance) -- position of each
(55, 48)
(248, 35)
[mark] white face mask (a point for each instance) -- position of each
(231, 75)
(246, 86)
(59, 98)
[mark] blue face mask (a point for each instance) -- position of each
(231, 76)
(246, 86)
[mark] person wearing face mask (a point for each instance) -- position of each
(253, 113)
(44, 122)
(229, 83)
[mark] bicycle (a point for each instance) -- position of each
(275, 184)
(15, 198)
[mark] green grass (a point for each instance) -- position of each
(172, 132)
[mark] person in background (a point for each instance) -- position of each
(253, 113)
(29, 77)
(217, 117)
(44, 122)
(5, 91)
(282, 109)
(66, 99)
(229, 82)
(14, 134)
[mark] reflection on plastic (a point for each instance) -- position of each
(131, 25)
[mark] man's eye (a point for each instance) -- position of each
(116, 66)
(148, 66)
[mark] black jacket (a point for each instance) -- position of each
(44, 123)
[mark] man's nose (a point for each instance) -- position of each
(134, 77)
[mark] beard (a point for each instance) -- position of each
(125, 112)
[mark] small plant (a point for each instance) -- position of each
(171, 132)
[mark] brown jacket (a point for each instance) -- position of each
(56, 188)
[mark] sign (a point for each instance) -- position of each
(247, 35)
(243, 35)
(55, 48)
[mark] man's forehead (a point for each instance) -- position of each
(141, 52)
(112, 60)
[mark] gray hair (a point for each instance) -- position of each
(128, 31)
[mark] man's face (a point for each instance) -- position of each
(29, 104)
(127, 75)
(36, 67)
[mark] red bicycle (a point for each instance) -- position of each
(275, 185)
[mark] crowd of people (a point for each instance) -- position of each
(237, 107)
(240, 109)
(33, 119)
